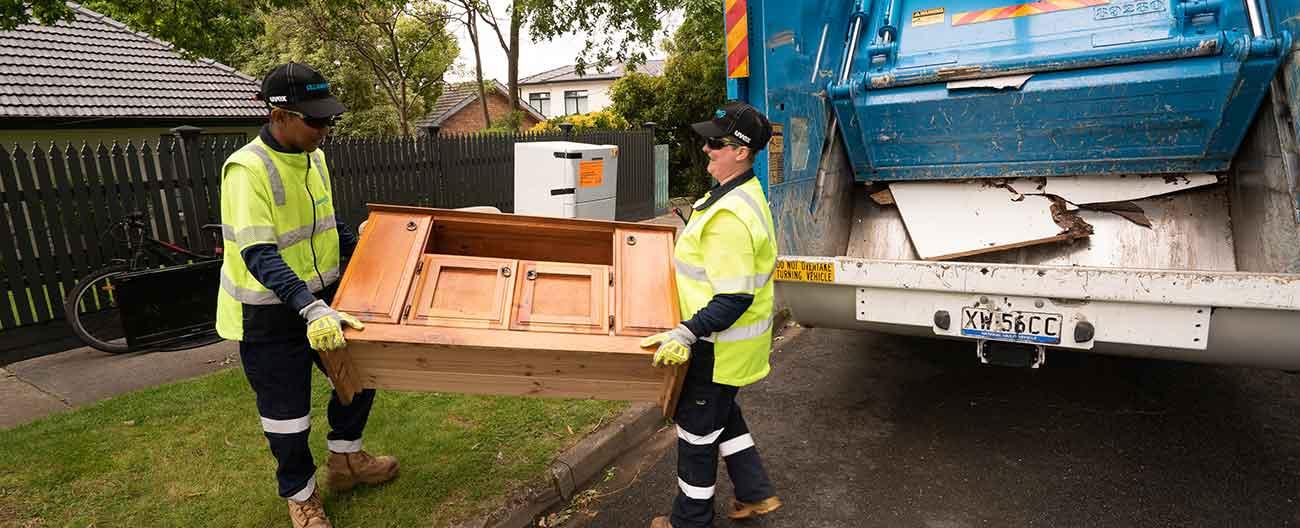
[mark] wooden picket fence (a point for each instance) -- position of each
(57, 203)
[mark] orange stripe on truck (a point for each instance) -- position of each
(737, 39)
(1020, 10)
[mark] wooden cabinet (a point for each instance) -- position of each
(466, 292)
(645, 296)
(385, 261)
(558, 297)
(461, 301)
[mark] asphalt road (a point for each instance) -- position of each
(871, 430)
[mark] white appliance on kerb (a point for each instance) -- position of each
(566, 179)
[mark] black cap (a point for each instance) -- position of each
(740, 121)
(297, 87)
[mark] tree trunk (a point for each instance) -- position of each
(478, 67)
(512, 54)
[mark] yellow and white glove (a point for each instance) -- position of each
(325, 326)
(674, 346)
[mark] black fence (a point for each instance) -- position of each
(58, 203)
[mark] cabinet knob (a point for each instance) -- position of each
(410, 226)
(532, 275)
(631, 240)
(505, 271)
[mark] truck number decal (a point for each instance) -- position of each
(1127, 9)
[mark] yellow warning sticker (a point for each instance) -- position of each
(925, 17)
(776, 155)
(802, 271)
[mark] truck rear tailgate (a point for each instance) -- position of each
(1205, 316)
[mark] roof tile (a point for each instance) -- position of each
(95, 66)
(567, 73)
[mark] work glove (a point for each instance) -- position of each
(674, 346)
(325, 326)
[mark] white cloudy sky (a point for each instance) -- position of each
(533, 58)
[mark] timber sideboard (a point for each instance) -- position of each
(491, 303)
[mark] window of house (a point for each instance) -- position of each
(575, 102)
(541, 101)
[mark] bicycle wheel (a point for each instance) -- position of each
(92, 310)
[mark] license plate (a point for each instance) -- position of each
(1020, 327)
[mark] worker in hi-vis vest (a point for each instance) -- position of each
(725, 258)
(281, 266)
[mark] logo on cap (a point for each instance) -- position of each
(741, 135)
(720, 114)
(318, 86)
(278, 99)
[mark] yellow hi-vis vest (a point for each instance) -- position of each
(270, 197)
(741, 351)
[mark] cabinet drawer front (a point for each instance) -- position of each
(379, 274)
(463, 291)
(556, 297)
(645, 291)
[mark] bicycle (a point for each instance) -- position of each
(93, 309)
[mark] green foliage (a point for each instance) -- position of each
(692, 87)
(602, 120)
(385, 88)
(13, 13)
(615, 30)
(507, 124)
(215, 29)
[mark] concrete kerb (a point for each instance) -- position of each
(582, 463)
(573, 469)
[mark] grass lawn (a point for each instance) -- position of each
(193, 454)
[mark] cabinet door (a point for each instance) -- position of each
(379, 274)
(471, 292)
(557, 297)
(645, 292)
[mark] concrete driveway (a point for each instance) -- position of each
(870, 430)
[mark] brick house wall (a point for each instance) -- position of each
(470, 118)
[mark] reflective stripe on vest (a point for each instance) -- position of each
(272, 172)
(265, 297)
(253, 234)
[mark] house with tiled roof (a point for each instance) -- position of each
(94, 79)
(562, 91)
(458, 109)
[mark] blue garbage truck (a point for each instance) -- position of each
(1108, 176)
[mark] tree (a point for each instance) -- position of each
(511, 48)
(692, 87)
(468, 15)
(616, 30)
(405, 45)
(384, 90)
(48, 12)
(214, 29)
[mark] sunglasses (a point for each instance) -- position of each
(314, 122)
(717, 143)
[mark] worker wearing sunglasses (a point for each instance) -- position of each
(724, 259)
(283, 252)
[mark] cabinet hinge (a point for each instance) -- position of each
(611, 279)
(611, 321)
(406, 312)
(419, 265)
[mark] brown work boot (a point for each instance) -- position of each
(660, 522)
(745, 510)
(309, 513)
(346, 470)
